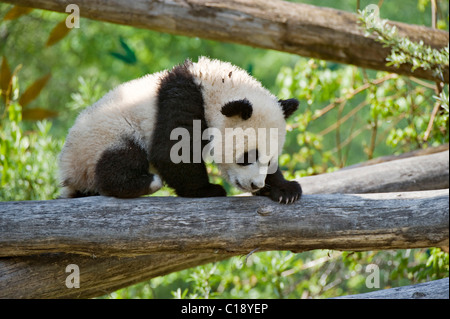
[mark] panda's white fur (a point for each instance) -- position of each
(222, 83)
(131, 110)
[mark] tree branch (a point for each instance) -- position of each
(419, 152)
(436, 289)
(301, 29)
(424, 172)
(100, 226)
(162, 235)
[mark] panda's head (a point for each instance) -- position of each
(239, 107)
(253, 136)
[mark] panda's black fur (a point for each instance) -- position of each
(122, 169)
(188, 179)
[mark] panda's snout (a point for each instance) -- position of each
(255, 187)
(249, 187)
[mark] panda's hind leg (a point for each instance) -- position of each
(123, 171)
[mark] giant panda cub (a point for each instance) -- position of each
(126, 144)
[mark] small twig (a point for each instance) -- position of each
(423, 83)
(433, 14)
(338, 133)
(248, 255)
(344, 118)
(436, 108)
(373, 139)
(356, 91)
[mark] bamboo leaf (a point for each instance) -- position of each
(37, 114)
(33, 90)
(58, 33)
(128, 51)
(129, 57)
(16, 12)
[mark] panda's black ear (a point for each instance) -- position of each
(288, 106)
(243, 108)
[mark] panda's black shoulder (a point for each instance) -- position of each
(178, 81)
(179, 94)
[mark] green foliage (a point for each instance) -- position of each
(27, 157)
(403, 50)
(281, 274)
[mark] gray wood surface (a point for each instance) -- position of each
(424, 172)
(148, 237)
(44, 276)
(302, 29)
(436, 289)
(104, 226)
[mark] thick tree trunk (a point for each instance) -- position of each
(126, 228)
(44, 276)
(127, 241)
(279, 25)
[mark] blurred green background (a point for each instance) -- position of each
(390, 118)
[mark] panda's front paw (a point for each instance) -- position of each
(215, 190)
(210, 190)
(287, 193)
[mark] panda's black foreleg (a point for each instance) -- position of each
(188, 179)
(279, 189)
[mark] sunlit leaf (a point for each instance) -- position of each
(16, 12)
(58, 33)
(37, 114)
(33, 90)
(5, 75)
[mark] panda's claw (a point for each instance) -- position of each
(286, 193)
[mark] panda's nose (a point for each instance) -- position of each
(254, 187)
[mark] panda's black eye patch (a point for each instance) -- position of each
(248, 158)
(243, 108)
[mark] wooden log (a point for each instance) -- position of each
(389, 158)
(302, 29)
(102, 226)
(44, 276)
(436, 289)
(425, 172)
(106, 226)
